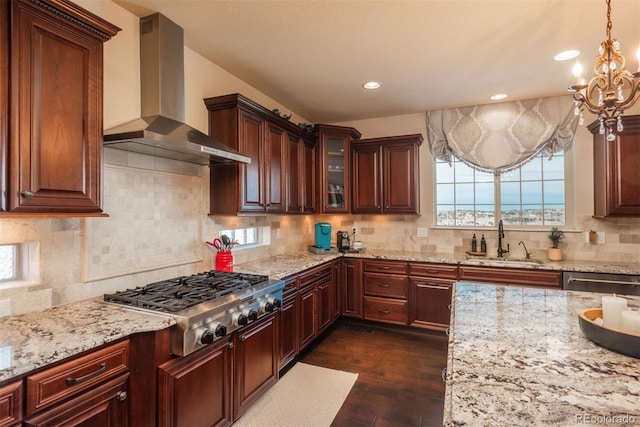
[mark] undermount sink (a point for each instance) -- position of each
(507, 261)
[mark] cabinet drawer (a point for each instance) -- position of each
(314, 274)
(510, 276)
(290, 288)
(67, 379)
(385, 310)
(446, 271)
(393, 267)
(385, 285)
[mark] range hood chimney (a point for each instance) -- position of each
(161, 131)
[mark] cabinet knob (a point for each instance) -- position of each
(121, 396)
(242, 338)
(26, 193)
(230, 345)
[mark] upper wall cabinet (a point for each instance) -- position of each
(51, 107)
(616, 173)
(278, 156)
(386, 175)
(334, 174)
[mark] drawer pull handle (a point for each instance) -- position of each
(444, 375)
(384, 311)
(73, 381)
(26, 194)
(384, 285)
(432, 271)
(447, 331)
(121, 396)
(384, 268)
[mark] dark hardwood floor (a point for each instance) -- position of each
(399, 376)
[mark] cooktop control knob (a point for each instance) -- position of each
(221, 330)
(206, 337)
(266, 306)
(252, 315)
(241, 319)
(276, 302)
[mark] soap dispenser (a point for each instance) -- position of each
(474, 243)
(483, 245)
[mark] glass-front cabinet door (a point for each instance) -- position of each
(335, 178)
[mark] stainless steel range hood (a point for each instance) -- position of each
(161, 131)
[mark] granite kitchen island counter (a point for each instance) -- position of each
(517, 356)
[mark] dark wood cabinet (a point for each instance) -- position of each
(386, 175)
(11, 412)
(264, 185)
(196, 390)
(616, 172)
(334, 173)
(87, 390)
(104, 405)
(255, 362)
(511, 276)
(288, 323)
(430, 287)
(386, 291)
(51, 86)
(309, 177)
(316, 302)
(351, 287)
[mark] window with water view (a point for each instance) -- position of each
(533, 195)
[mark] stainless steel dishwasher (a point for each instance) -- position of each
(622, 284)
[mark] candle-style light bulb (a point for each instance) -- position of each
(577, 73)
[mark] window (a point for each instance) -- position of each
(8, 262)
(533, 195)
(249, 236)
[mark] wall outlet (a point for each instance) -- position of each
(5, 307)
(422, 232)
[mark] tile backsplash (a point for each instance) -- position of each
(158, 223)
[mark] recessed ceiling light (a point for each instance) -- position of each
(567, 54)
(371, 85)
(498, 96)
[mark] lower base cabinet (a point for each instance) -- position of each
(11, 404)
(288, 324)
(195, 390)
(255, 362)
(104, 405)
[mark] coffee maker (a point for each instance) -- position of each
(343, 242)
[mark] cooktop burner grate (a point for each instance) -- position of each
(183, 292)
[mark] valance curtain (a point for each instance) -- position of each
(501, 137)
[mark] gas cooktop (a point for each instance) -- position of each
(174, 295)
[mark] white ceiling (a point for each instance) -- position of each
(313, 56)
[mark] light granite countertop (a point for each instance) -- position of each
(33, 340)
(517, 357)
(281, 266)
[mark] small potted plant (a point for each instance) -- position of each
(554, 253)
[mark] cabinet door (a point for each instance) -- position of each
(367, 192)
(294, 174)
(55, 143)
(104, 405)
(307, 314)
(326, 299)
(256, 362)
(431, 302)
(400, 178)
(195, 390)
(288, 327)
(310, 179)
(11, 404)
(274, 169)
(616, 172)
(351, 287)
(250, 144)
